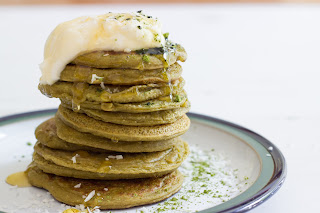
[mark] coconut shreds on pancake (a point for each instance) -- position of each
(116, 165)
(76, 73)
(84, 123)
(112, 194)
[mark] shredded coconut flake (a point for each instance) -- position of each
(268, 155)
(102, 85)
(107, 159)
(112, 157)
(270, 148)
(95, 78)
(77, 186)
(81, 207)
(74, 158)
(106, 189)
(89, 211)
(90, 196)
(119, 157)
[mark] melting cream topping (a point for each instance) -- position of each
(111, 32)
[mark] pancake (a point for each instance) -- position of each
(137, 119)
(89, 165)
(116, 132)
(120, 194)
(80, 91)
(50, 167)
(55, 134)
(77, 73)
(162, 103)
(86, 139)
(143, 59)
(46, 133)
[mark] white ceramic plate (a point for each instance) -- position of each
(260, 170)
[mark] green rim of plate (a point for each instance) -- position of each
(273, 167)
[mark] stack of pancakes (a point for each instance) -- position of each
(114, 142)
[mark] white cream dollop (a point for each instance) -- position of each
(110, 32)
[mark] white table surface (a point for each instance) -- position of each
(255, 65)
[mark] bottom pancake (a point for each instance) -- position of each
(116, 194)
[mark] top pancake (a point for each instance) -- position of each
(78, 73)
(143, 59)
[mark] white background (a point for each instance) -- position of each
(255, 65)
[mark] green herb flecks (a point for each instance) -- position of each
(177, 98)
(146, 58)
(174, 199)
(208, 181)
(156, 37)
(166, 35)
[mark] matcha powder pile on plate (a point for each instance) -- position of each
(208, 181)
